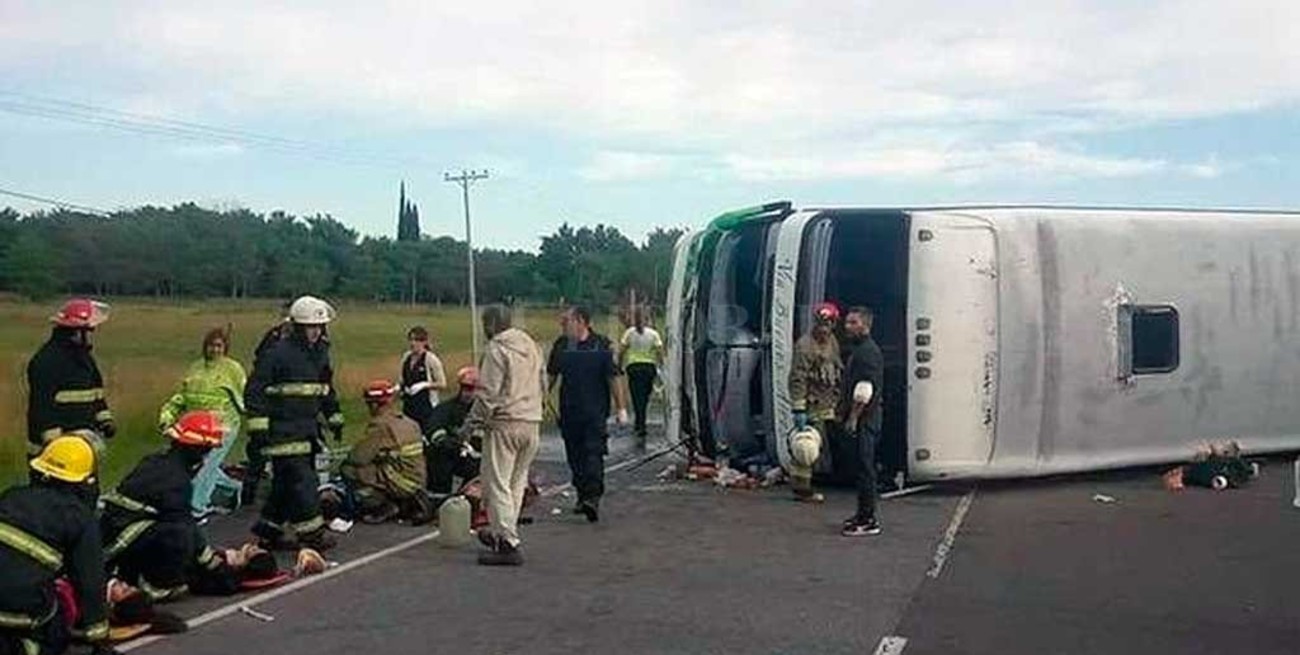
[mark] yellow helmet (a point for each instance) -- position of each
(66, 458)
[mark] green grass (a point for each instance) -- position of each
(146, 346)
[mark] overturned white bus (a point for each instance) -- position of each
(1018, 341)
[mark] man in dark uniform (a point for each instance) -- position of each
(864, 383)
(47, 531)
(448, 453)
(256, 469)
(66, 389)
(151, 539)
(290, 389)
(583, 360)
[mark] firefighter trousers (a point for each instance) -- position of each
(293, 508)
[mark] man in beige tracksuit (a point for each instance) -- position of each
(508, 414)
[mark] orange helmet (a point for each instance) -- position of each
(81, 313)
(201, 428)
(827, 312)
(468, 377)
(380, 391)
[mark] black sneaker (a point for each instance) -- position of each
(487, 539)
(505, 555)
(867, 528)
(590, 510)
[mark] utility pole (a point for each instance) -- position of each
(465, 179)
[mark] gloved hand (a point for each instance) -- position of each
(336, 427)
(800, 420)
(107, 428)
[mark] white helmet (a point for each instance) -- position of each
(310, 310)
(805, 446)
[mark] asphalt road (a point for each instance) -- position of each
(682, 567)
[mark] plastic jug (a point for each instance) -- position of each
(453, 522)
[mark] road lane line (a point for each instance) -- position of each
(891, 645)
(613, 468)
(235, 607)
(950, 535)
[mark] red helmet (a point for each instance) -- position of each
(380, 391)
(81, 313)
(827, 312)
(202, 428)
(468, 377)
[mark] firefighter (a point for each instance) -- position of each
(214, 382)
(256, 468)
(66, 389)
(290, 392)
(814, 395)
(448, 453)
(423, 378)
(51, 558)
(385, 471)
(151, 539)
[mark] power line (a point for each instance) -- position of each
(148, 125)
(63, 204)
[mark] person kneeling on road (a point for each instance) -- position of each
(51, 557)
(447, 454)
(151, 538)
(508, 414)
(384, 474)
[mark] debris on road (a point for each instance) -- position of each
(341, 525)
(555, 511)
(1104, 499)
(1215, 466)
(248, 611)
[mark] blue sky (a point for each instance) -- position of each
(639, 114)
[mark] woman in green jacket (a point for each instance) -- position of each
(215, 383)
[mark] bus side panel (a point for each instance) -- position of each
(675, 334)
(953, 338)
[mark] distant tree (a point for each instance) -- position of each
(31, 266)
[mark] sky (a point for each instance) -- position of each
(642, 114)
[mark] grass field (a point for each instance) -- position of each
(146, 346)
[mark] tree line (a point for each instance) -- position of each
(188, 251)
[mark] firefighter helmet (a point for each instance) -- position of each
(310, 310)
(81, 313)
(380, 391)
(67, 458)
(827, 312)
(199, 428)
(806, 446)
(468, 377)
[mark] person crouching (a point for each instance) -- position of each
(385, 473)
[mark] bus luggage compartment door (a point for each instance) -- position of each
(953, 339)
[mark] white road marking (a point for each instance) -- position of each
(950, 535)
(891, 645)
(247, 603)
(631, 461)
(906, 491)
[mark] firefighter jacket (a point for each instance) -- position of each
(157, 492)
(216, 385)
(447, 419)
(815, 378)
(46, 532)
(290, 391)
(66, 391)
(390, 457)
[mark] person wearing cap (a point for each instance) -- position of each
(450, 454)
(815, 390)
(214, 382)
(65, 388)
(290, 390)
(423, 378)
(51, 556)
(151, 538)
(384, 473)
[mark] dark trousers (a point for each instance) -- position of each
(443, 463)
(584, 447)
(255, 472)
(641, 382)
(865, 474)
(419, 410)
(293, 507)
(51, 638)
(165, 560)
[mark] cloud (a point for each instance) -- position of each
(616, 166)
(1008, 80)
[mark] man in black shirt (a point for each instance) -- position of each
(584, 362)
(863, 386)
